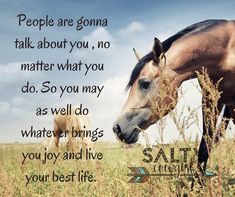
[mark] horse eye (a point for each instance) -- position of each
(144, 83)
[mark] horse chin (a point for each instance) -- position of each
(133, 137)
(128, 127)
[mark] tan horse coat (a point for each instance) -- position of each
(68, 124)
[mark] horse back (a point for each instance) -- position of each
(66, 122)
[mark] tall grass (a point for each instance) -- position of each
(111, 172)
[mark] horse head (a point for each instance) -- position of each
(152, 95)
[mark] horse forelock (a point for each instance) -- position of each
(137, 69)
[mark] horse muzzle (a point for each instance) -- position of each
(129, 135)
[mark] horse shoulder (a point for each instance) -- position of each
(62, 121)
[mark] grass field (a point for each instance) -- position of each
(110, 173)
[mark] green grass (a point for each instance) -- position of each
(110, 173)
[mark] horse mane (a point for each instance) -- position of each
(193, 29)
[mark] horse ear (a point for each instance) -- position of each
(162, 60)
(138, 56)
(157, 50)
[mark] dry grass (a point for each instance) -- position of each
(111, 172)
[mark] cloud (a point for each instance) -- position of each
(11, 73)
(164, 35)
(114, 87)
(105, 110)
(4, 107)
(118, 41)
(12, 70)
(20, 101)
(119, 60)
(133, 27)
(99, 34)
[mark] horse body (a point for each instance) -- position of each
(213, 49)
(209, 44)
(68, 124)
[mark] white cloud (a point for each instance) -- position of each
(114, 87)
(105, 110)
(132, 28)
(118, 60)
(99, 34)
(102, 34)
(164, 35)
(20, 101)
(12, 70)
(4, 107)
(11, 73)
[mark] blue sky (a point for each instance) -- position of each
(158, 16)
(130, 24)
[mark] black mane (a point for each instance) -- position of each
(193, 29)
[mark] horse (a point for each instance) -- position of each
(72, 126)
(208, 44)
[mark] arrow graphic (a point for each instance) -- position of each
(140, 174)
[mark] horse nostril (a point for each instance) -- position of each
(117, 129)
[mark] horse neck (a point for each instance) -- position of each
(184, 59)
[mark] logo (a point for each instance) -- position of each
(169, 165)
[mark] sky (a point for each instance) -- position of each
(130, 24)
